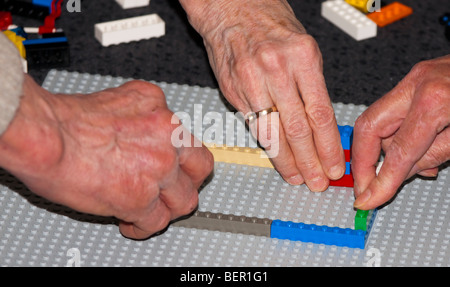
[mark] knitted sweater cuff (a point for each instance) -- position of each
(11, 81)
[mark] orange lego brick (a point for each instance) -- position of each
(390, 14)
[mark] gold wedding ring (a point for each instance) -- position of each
(253, 116)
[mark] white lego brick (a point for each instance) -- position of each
(128, 4)
(131, 29)
(349, 19)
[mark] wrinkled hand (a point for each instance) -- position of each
(410, 124)
(263, 57)
(108, 153)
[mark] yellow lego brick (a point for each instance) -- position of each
(361, 5)
(240, 155)
(18, 41)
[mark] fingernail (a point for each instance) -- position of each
(356, 189)
(295, 180)
(336, 172)
(363, 199)
(317, 184)
(429, 173)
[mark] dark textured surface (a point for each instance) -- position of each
(356, 72)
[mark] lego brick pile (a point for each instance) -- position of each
(39, 47)
(355, 71)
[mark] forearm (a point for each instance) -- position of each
(32, 131)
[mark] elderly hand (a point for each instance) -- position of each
(410, 124)
(263, 57)
(108, 153)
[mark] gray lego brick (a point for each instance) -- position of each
(227, 223)
(411, 231)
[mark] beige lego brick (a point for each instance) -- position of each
(240, 155)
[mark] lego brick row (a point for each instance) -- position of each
(275, 229)
(257, 156)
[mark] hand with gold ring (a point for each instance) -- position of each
(263, 58)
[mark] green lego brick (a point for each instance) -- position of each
(361, 220)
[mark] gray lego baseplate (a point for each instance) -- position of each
(410, 231)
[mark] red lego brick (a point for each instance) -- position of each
(5, 20)
(390, 13)
(348, 155)
(49, 22)
(345, 181)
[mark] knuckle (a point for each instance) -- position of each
(162, 121)
(297, 129)
(163, 220)
(439, 152)
(436, 91)
(270, 57)
(308, 47)
(146, 96)
(364, 125)
(321, 115)
(190, 206)
(144, 87)
(166, 161)
(209, 163)
(422, 68)
(435, 156)
(435, 95)
(399, 149)
(244, 68)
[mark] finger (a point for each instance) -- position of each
(196, 162)
(146, 89)
(284, 159)
(297, 131)
(157, 218)
(427, 118)
(380, 121)
(437, 154)
(430, 172)
(181, 197)
(322, 121)
(299, 137)
(278, 150)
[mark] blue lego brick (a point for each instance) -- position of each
(45, 41)
(344, 237)
(346, 133)
(20, 32)
(44, 3)
(348, 169)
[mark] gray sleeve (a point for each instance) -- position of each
(11, 81)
